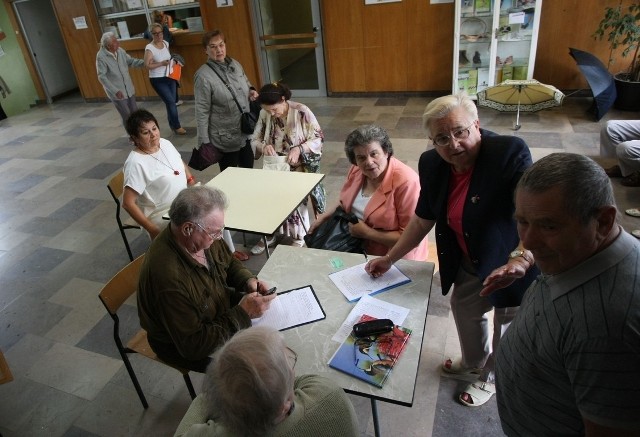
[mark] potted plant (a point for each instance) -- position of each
(621, 27)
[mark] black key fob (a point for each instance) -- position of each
(372, 327)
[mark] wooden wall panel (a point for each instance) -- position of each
(429, 45)
(564, 24)
(344, 57)
(236, 24)
(385, 47)
(81, 43)
(407, 45)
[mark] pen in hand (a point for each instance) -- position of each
(366, 258)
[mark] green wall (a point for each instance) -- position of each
(14, 70)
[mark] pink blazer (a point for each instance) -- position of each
(391, 206)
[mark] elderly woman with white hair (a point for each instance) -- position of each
(467, 183)
(112, 65)
(250, 389)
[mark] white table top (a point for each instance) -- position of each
(293, 267)
(260, 200)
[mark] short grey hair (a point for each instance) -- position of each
(585, 186)
(248, 382)
(442, 106)
(365, 135)
(106, 39)
(193, 204)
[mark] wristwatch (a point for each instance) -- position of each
(519, 252)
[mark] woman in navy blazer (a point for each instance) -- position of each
(467, 183)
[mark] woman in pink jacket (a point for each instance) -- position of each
(380, 190)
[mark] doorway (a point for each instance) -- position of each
(291, 49)
(46, 45)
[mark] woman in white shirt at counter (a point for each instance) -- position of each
(156, 59)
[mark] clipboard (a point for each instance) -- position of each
(292, 308)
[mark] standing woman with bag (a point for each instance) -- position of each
(217, 114)
(156, 59)
(217, 85)
(289, 129)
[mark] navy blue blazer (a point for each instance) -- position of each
(487, 220)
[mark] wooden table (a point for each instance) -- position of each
(293, 267)
(261, 200)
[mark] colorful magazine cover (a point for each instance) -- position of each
(372, 358)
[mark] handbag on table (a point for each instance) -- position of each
(333, 234)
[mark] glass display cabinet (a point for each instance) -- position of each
(130, 18)
(494, 40)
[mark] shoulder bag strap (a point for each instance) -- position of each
(228, 87)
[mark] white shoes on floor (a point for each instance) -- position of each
(259, 247)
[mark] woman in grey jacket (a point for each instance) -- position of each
(217, 114)
(112, 64)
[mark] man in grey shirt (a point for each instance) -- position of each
(112, 64)
(569, 364)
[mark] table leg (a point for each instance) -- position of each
(266, 246)
(374, 414)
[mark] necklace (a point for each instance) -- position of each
(166, 164)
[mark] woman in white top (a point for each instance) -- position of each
(156, 59)
(154, 173)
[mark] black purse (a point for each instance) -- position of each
(247, 119)
(333, 234)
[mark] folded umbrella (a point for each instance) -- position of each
(520, 95)
(601, 82)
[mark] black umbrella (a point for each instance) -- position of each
(600, 80)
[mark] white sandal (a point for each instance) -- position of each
(633, 212)
(259, 247)
(479, 393)
(636, 233)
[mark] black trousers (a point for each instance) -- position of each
(241, 158)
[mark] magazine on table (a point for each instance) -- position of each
(371, 358)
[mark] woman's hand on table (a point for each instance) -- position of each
(379, 266)
(269, 150)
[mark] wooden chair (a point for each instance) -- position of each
(116, 188)
(122, 286)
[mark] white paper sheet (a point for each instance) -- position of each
(354, 282)
(292, 308)
(375, 308)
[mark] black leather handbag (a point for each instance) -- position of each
(334, 234)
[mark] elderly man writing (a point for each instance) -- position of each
(112, 64)
(570, 362)
(193, 294)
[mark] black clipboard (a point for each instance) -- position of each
(263, 321)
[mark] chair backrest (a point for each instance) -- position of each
(116, 186)
(123, 285)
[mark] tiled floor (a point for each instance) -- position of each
(59, 244)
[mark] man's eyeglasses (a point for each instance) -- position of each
(216, 236)
(443, 140)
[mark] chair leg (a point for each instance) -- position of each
(187, 381)
(134, 379)
(126, 244)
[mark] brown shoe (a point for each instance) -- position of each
(633, 180)
(613, 172)
(180, 131)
